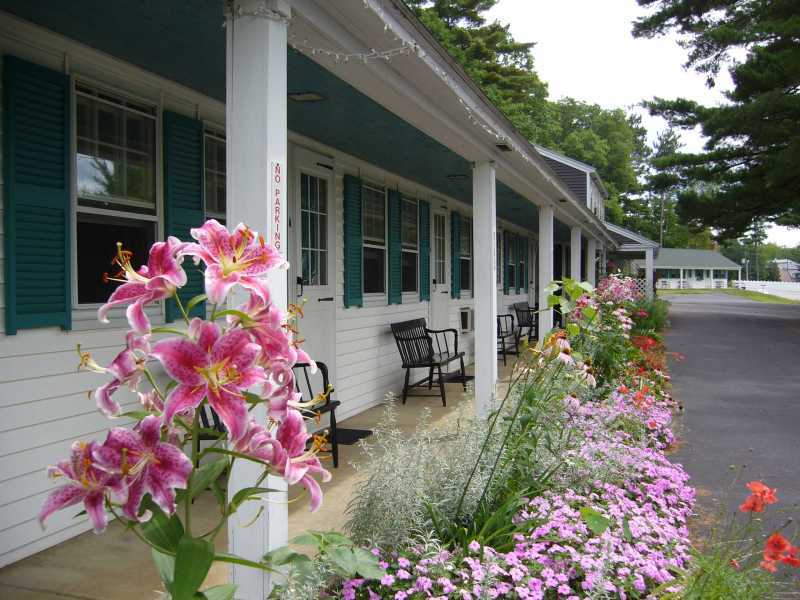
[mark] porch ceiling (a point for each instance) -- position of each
(185, 42)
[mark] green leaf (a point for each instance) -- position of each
(238, 560)
(161, 530)
(252, 398)
(367, 564)
(165, 565)
(343, 561)
(219, 592)
(169, 330)
(589, 312)
(195, 301)
(596, 522)
(244, 317)
(334, 538)
(307, 539)
(587, 287)
(626, 530)
(573, 329)
(192, 563)
(205, 474)
(552, 287)
(137, 415)
(553, 301)
(245, 494)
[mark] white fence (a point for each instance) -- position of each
(784, 289)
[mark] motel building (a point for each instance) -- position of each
(340, 130)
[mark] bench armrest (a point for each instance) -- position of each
(444, 332)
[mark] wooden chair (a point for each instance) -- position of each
(423, 348)
(507, 336)
(526, 318)
(310, 386)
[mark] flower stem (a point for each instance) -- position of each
(195, 451)
(180, 307)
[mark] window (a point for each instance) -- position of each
(512, 263)
(499, 258)
(699, 274)
(439, 248)
(466, 254)
(410, 243)
(314, 234)
(115, 166)
(214, 159)
(374, 232)
(521, 260)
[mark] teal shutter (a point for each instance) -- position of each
(506, 265)
(455, 255)
(395, 248)
(424, 250)
(353, 243)
(36, 128)
(183, 198)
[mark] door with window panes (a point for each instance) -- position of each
(439, 309)
(312, 275)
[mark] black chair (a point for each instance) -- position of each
(423, 348)
(311, 386)
(526, 318)
(506, 336)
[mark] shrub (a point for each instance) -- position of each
(650, 317)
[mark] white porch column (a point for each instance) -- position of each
(648, 273)
(484, 229)
(545, 253)
(591, 261)
(575, 253)
(256, 184)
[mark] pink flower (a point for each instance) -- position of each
(216, 366)
(145, 463)
(87, 484)
(126, 369)
(240, 257)
(158, 279)
(295, 463)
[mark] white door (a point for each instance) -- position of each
(312, 274)
(439, 317)
(532, 265)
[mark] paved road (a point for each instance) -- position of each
(740, 386)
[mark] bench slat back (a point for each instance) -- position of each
(413, 342)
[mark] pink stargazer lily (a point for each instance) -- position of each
(87, 484)
(286, 452)
(145, 464)
(158, 279)
(126, 369)
(215, 366)
(241, 257)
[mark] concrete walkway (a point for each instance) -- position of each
(740, 386)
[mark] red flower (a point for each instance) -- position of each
(761, 496)
(791, 558)
(769, 565)
(735, 564)
(776, 546)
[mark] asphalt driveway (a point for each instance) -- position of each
(740, 387)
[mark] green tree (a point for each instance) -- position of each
(750, 159)
(610, 140)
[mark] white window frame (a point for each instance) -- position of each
(328, 216)
(440, 259)
(468, 257)
(407, 249)
(217, 134)
(511, 264)
(384, 247)
(157, 218)
(521, 262)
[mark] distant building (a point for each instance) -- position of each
(788, 269)
(685, 268)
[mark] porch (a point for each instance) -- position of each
(335, 124)
(61, 572)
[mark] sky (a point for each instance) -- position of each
(584, 49)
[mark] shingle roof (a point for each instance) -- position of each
(688, 258)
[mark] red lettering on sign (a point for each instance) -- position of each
(276, 204)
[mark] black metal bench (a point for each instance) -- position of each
(526, 318)
(309, 386)
(507, 336)
(423, 348)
